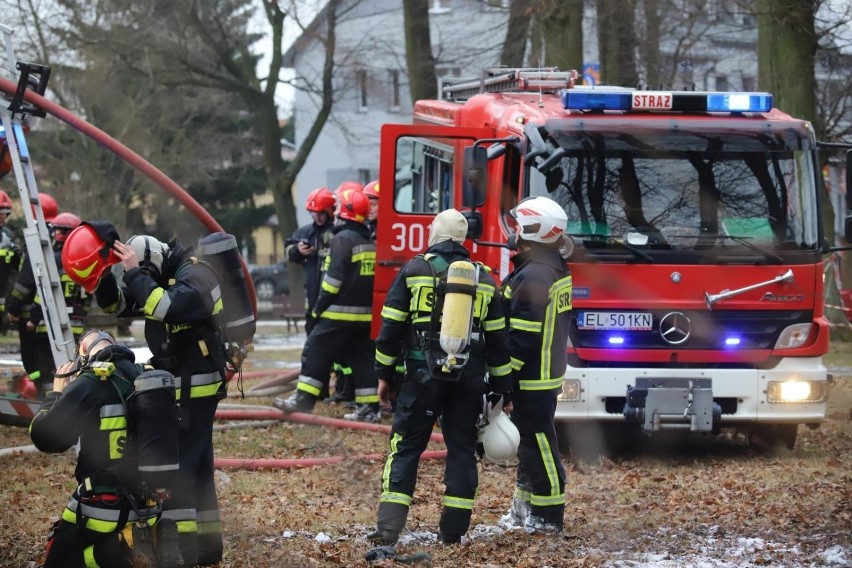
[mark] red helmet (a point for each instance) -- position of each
(348, 185)
(5, 203)
(372, 189)
(321, 200)
(353, 205)
(86, 256)
(48, 206)
(63, 224)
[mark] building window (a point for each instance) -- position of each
(394, 90)
(362, 89)
(722, 83)
(748, 83)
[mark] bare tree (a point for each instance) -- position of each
(418, 50)
(562, 26)
(786, 46)
(617, 41)
(517, 33)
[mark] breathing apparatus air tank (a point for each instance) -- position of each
(457, 314)
(155, 426)
(221, 251)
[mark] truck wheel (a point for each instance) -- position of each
(771, 437)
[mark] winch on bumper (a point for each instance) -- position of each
(672, 404)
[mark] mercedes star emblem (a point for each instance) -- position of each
(675, 328)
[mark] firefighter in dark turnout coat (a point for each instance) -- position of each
(91, 531)
(309, 245)
(180, 298)
(538, 299)
(407, 325)
(344, 312)
(24, 304)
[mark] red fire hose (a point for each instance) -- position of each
(303, 418)
(131, 158)
(228, 463)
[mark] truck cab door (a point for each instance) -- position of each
(421, 173)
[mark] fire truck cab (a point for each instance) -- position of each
(696, 229)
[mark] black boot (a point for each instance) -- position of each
(297, 402)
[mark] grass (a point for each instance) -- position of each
(657, 503)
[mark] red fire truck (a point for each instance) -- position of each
(695, 218)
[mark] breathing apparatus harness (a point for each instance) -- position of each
(447, 344)
(151, 454)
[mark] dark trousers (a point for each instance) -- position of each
(541, 476)
(419, 403)
(331, 341)
(193, 504)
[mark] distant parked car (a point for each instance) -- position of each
(270, 280)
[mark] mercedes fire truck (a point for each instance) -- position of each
(696, 239)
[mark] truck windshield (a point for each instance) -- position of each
(725, 194)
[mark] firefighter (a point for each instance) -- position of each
(180, 299)
(309, 244)
(344, 312)
(537, 296)
(409, 318)
(371, 190)
(88, 408)
(21, 312)
(25, 293)
(10, 256)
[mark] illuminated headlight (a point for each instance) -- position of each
(793, 336)
(797, 391)
(570, 391)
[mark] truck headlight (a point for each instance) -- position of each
(795, 390)
(793, 336)
(570, 391)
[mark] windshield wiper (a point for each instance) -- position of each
(609, 239)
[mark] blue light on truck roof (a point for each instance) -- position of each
(739, 102)
(619, 99)
(596, 100)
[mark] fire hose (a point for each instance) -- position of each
(247, 413)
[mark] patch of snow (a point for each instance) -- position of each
(322, 538)
(836, 555)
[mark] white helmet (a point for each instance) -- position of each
(540, 219)
(149, 251)
(500, 437)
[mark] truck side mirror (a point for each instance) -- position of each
(473, 190)
(474, 224)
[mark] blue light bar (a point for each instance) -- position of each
(732, 341)
(618, 99)
(616, 340)
(739, 102)
(596, 100)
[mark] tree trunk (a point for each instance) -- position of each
(786, 46)
(651, 45)
(418, 50)
(517, 30)
(617, 42)
(563, 35)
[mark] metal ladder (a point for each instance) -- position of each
(15, 118)
(503, 80)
